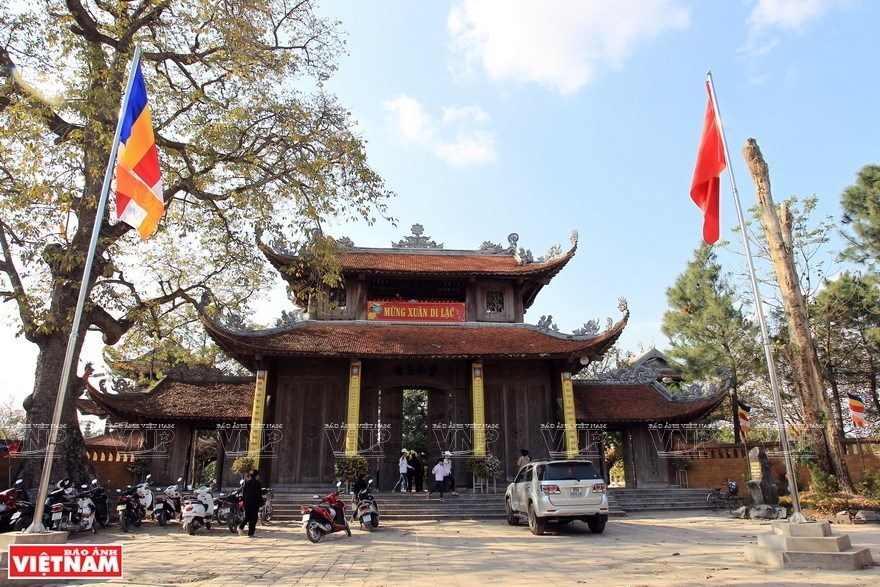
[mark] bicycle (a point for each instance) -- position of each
(730, 499)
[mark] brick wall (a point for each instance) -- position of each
(721, 461)
(109, 466)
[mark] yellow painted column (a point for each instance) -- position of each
(354, 408)
(479, 410)
(255, 441)
(571, 439)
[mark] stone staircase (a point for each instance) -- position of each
(402, 506)
(484, 506)
(657, 499)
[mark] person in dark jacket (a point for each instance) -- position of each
(418, 472)
(252, 498)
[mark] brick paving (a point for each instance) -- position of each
(648, 549)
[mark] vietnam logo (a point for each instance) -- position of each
(61, 561)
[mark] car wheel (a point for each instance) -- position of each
(597, 524)
(536, 524)
(512, 518)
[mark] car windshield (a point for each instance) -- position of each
(569, 472)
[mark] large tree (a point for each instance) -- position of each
(820, 427)
(708, 329)
(846, 323)
(861, 212)
(250, 145)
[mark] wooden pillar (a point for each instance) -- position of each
(354, 403)
(478, 399)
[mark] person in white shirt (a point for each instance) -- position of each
(450, 480)
(439, 472)
(403, 467)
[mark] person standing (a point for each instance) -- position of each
(403, 467)
(450, 480)
(410, 472)
(524, 459)
(252, 499)
(418, 473)
(439, 472)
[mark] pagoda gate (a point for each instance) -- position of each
(416, 316)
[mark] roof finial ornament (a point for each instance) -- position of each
(416, 241)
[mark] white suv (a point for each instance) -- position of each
(559, 491)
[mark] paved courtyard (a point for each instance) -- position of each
(649, 549)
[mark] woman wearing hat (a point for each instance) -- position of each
(403, 467)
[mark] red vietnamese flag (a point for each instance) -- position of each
(710, 163)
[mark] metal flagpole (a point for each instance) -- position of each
(796, 516)
(37, 525)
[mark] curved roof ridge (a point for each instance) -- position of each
(214, 325)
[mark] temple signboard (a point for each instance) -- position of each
(397, 311)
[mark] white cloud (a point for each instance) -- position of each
(786, 14)
(782, 15)
(470, 148)
(459, 139)
(558, 44)
(407, 116)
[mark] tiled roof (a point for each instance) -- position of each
(395, 262)
(119, 440)
(608, 403)
(228, 400)
(368, 339)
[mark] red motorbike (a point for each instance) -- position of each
(326, 517)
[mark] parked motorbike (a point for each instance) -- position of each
(366, 510)
(99, 497)
(9, 504)
(76, 513)
(198, 508)
(145, 496)
(168, 504)
(320, 520)
(128, 505)
(266, 509)
(24, 516)
(230, 513)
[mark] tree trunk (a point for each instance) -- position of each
(818, 420)
(734, 405)
(70, 456)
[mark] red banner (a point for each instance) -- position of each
(394, 311)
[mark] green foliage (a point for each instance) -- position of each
(488, 467)
(869, 484)
(243, 465)
(349, 468)
(861, 214)
(681, 464)
(140, 466)
(617, 472)
(822, 482)
(209, 472)
(415, 420)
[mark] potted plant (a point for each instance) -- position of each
(484, 469)
(243, 465)
(349, 468)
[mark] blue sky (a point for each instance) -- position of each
(540, 118)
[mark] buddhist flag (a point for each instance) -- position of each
(743, 411)
(856, 410)
(139, 200)
(706, 184)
